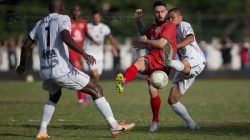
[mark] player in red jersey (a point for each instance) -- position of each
(78, 32)
(160, 40)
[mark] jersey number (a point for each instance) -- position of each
(48, 36)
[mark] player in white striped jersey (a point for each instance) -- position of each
(190, 64)
(99, 31)
(52, 35)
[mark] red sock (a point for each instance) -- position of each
(130, 74)
(80, 95)
(155, 106)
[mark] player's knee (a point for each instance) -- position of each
(172, 100)
(139, 63)
(97, 92)
(55, 97)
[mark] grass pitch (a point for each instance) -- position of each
(221, 107)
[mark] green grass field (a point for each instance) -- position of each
(221, 107)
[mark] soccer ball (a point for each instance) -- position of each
(159, 79)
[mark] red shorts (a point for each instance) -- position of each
(154, 65)
(75, 59)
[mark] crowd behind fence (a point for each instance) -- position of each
(221, 54)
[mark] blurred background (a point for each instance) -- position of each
(222, 29)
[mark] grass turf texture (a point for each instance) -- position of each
(221, 107)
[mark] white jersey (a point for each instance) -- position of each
(192, 50)
(53, 53)
(98, 32)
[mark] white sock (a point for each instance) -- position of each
(104, 108)
(181, 110)
(177, 65)
(48, 111)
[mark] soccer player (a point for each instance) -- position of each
(99, 31)
(161, 44)
(78, 32)
(190, 64)
(53, 37)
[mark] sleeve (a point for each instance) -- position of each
(64, 23)
(107, 30)
(187, 29)
(168, 30)
(33, 32)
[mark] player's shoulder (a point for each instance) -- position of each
(82, 21)
(60, 17)
(104, 25)
(185, 24)
(169, 24)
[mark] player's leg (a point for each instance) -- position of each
(155, 102)
(80, 81)
(95, 74)
(49, 108)
(183, 65)
(178, 107)
(75, 60)
(140, 65)
(102, 105)
(97, 69)
(179, 87)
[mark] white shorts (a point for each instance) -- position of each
(97, 66)
(184, 81)
(75, 80)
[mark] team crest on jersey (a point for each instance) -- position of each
(158, 30)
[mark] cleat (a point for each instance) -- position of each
(119, 83)
(155, 126)
(123, 127)
(196, 127)
(41, 136)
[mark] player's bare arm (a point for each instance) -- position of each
(91, 38)
(114, 45)
(138, 15)
(24, 52)
(65, 34)
(160, 43)
(189, 39)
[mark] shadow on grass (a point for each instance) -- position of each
(229, 129)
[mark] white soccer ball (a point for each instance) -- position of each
(159, 79)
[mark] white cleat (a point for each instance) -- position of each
(155, 126)
(123, 127)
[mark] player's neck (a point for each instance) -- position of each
(76, 19)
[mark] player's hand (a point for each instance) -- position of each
(90, 59)
(142, 39)
(138, 13)
(20, 69)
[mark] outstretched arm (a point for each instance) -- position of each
(138, 14)
(24, 52)
(65, 34)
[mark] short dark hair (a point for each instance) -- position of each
(159, 3)
(176, 10)
(95, 12)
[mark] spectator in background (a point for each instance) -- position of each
(244, 53)
(226, 53)
(12, 54)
